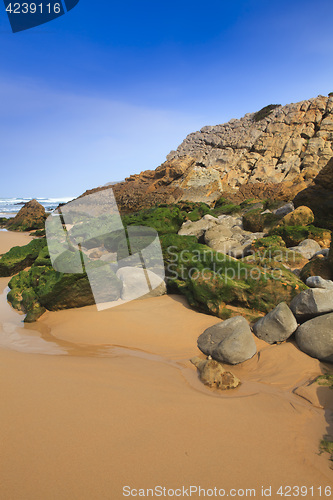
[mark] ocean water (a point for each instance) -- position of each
(10, 206)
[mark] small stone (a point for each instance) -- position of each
(212, 373)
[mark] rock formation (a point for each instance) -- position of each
(274, 153)
(31, 216)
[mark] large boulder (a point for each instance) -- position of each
(212, 373)
(311, 303)
(230, 341)
(319, 282)
(308, 248)
(315, 337)
(302, 216)
(135, 284)
(276, 326)
(31, 216)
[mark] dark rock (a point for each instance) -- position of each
(284, 210)
(256, 222)
(319, 197)
(316, 267)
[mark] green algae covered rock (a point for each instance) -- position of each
(19, 258)
(256, 222)
(294, 235)
(217, 284)
(42, 288)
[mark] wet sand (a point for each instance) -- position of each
(9, 239)
(93, 401)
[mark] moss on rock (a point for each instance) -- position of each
(294, 235)
(256, 222)
(19, 258)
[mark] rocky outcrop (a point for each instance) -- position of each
(31, 216)
(293, 140)
(271, 154)
(181, 179)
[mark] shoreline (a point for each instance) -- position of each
(116, 402)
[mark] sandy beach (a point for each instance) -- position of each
(96, 401)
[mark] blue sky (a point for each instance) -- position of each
(111, 87)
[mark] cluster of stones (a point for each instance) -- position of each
(309, 317)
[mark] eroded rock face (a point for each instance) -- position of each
(292, 140)
(274, 157)
(213, 374)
